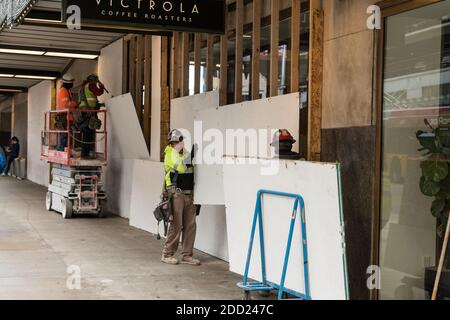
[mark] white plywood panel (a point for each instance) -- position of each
(110, 73)
(183, 110)
(110, 69)
(119, 182)
(148, 177)
(212, 232)
(259, 118)
(39, 102)
(319, 185)
(126, 131)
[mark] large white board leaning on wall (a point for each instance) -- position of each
(319, 184)
(148, 179)
(211, 224)
(126, 130)
(265, 115)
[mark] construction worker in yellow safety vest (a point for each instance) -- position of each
(179, 184)
(90, 90)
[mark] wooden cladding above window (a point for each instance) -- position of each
(274, 63)
(195, 68)
(138, 78)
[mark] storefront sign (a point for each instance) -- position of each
(206, 16)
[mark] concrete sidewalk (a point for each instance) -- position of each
(116, 260)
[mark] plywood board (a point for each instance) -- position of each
(119, 181)
(319, 185)
(183, 110)
(39, 102)
(268, 115)
(126, 131)
(212, 232)
(148, 178)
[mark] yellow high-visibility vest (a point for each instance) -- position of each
(90, 97)
(175, 162)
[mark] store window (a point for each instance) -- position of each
(415, 184)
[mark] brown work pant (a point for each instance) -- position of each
(184, 221)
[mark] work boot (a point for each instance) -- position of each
(169, 260)
(190, 261)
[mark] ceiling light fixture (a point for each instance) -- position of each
(53, 53)
(6, 75)
(19, 76)
(42, 20)
(17, 51)
(71, 55)
(10, 90)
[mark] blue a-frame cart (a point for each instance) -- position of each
(265, 285)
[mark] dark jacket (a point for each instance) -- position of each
(15, 150)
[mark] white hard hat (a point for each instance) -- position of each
(175, 136)
(68, 78)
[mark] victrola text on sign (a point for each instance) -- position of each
(206, 16)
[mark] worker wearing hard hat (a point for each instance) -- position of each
(91, 89)
(66, 105)
(283, 142)
(179, 183)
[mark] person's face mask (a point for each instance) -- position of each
(179, 147)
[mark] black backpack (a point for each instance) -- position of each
(163, 213)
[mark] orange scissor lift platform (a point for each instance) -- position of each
(76, 182)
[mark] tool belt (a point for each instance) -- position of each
(175, 190)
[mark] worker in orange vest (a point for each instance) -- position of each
(65, 103)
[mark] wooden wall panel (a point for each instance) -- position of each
(148, 90)
(164, 61)
(165, 94)
(224, 67)
(185, 64)
(197, 61)
(295, 45)
(175, 65)
(132, 68)
(239, 50)
(139, 76)
(256, 49)
(209, 62)
(274, 46)
(125, 65)
(315, 85)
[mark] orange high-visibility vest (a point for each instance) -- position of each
(65, 101)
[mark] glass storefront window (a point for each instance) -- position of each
(416, 98)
